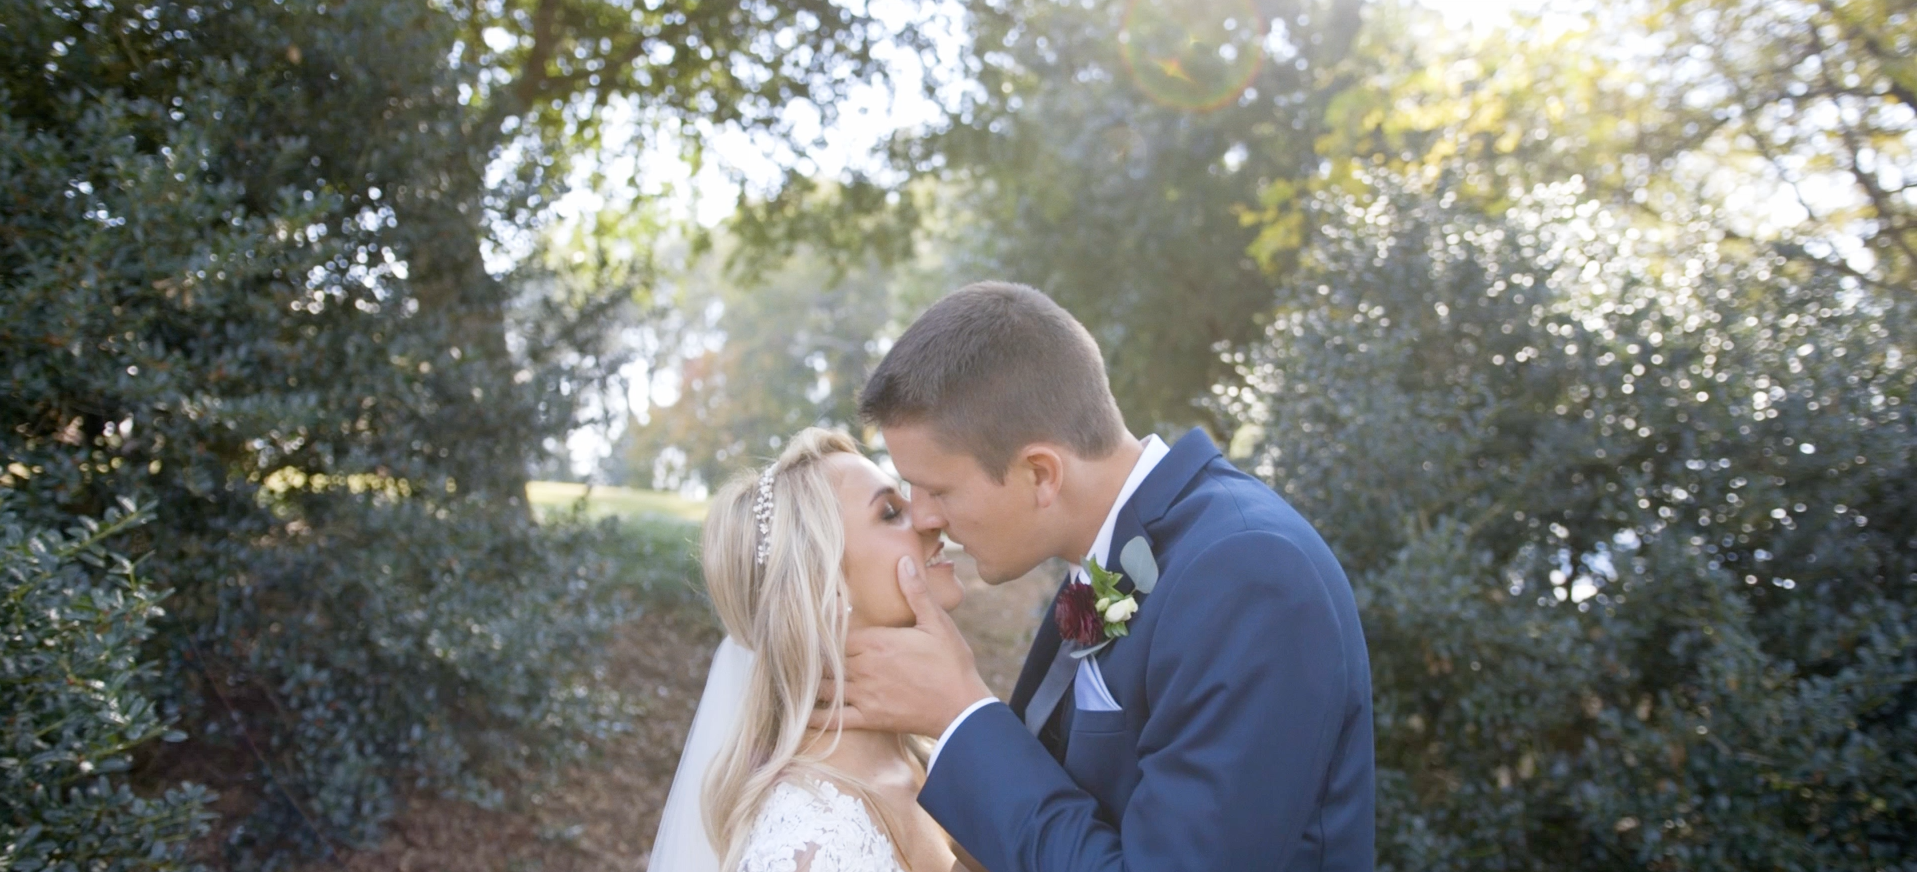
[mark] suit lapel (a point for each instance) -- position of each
(1147, 504)
(1181, 464)
(1124, 529)
(1154, 497)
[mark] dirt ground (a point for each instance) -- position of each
(601, 815)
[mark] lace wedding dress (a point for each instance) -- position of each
(816, 830)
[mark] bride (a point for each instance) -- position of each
(795, 557)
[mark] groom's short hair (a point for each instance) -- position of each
(994, 367)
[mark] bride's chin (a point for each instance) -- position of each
(944, 584)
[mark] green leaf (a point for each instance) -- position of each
(1138, 562)
(1104, 581)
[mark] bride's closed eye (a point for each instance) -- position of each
(890, 504)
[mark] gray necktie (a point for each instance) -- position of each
(1052, 688)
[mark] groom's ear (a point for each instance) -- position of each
(1045, 467)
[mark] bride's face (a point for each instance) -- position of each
(878, 531)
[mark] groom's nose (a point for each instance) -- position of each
(926, 518)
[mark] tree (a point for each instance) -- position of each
(241, 254)
(536, 75)
(767, 356)
(1496, 111)
(1637, 595)
(1818, 98)
(1110, 151)
(1640, 594)
(1759, 109)
(1106, 154)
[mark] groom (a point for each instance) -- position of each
(1228, 728)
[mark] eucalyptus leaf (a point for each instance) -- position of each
(1140, 564)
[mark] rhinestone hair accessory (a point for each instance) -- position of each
(762, 510)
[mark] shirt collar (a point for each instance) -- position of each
(1155, 451)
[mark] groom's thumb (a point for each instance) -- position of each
(912, 585)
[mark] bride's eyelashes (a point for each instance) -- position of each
(892, 508)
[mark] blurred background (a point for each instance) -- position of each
(364, 366)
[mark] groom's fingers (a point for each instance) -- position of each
(912, 584)
(847, 718)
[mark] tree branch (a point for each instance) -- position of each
(533, 78)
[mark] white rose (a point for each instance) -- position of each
(1121, 611)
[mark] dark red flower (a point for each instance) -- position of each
(1075, 617)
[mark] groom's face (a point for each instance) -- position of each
(996, 522)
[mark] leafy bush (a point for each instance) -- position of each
(1630, 512)
(72, 618)
(655, 555)
(241, 281)
(454, 652)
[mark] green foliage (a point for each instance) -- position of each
(1641, 596)
(464, 639)
(1818, 98)
(556, 498)
(759, 360)
(1616, 447)
(1496, 111)
(1795, 118)
(649, 539)
(1105, 588)
(1111, 155)
(1630, 516)
(207, 305)
(656, 555)
(73, 616)
(241, 281)
(732, 62)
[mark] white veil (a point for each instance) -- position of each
(681, 845)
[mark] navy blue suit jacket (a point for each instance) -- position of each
(1244, 739)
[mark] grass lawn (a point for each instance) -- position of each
(605, 501)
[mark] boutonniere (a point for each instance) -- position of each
(1092, 615)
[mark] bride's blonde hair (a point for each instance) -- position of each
(792, 611)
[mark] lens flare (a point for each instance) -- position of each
(1192, 54)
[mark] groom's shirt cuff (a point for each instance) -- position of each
(953, 728)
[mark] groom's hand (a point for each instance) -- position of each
(913, 679)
